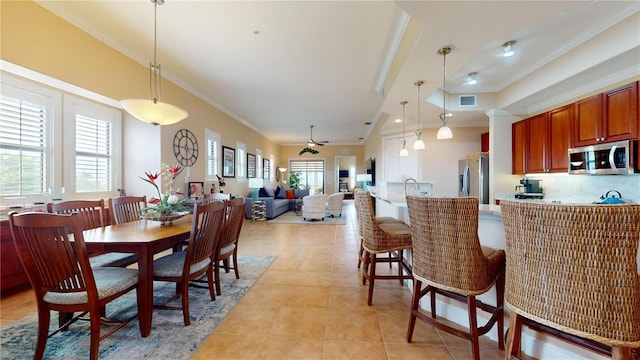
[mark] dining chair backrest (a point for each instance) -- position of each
(126, 208)
(53, 253)
(233, 222)
(91, 212)
(207, 222)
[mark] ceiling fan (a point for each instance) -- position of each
(312, 142)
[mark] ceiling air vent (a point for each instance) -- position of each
(467, 101)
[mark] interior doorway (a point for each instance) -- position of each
(345, 173)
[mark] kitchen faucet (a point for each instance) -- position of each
(417, 186)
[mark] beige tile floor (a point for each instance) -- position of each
(311, 304)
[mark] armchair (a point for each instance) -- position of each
(313, 207)
(334, 204)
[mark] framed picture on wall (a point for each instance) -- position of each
(251, 165)
(228, 162)
(196, 189)
(265, 169)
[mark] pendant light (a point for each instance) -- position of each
(154, 111)
(444, 132)
(403, 152)
(419, 144)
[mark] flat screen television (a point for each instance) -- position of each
(343, 173)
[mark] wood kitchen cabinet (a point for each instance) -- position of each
(610, 116)
(620, 107)
(537, 145)
(11, 272)
(546, 141)
(518, 146)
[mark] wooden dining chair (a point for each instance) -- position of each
(573, 269)
(183, 266)
(126, 208)
(91, 212)
(449, 261)
(52, 250)
(93, 215)
(228, 244)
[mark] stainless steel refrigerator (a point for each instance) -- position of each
(473, 177)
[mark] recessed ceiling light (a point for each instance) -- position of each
(397, 121)
(471, 79)
(508, 48)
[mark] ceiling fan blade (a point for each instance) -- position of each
(319, 143)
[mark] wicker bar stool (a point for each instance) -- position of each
(573, 268)
(378, 219)
(390, 238)
(448, 259)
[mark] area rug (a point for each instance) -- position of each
(290, 217)
(169, 338)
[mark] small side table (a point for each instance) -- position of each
(258, 210)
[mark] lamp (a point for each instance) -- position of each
(508, 48)
(419, 144)
(444, 132)
(154, 111)
(362, 178)
(255, 184)
(403, 152)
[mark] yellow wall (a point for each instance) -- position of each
(327, 153)
(38, 40)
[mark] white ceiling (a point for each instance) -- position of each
(281, 66)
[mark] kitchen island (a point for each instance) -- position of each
(491, 235)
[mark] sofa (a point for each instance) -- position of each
(277, 201)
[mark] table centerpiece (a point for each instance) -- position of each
(168, 206)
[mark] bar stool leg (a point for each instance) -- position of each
(415, 301)
(473, 326)
(372, 276)
(513, 335)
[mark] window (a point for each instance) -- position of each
(259, 163)
(241, 162)
(45, 149)
(311, 174)
(90, 148)
(213, 144)
(26, 119)
(93, 154)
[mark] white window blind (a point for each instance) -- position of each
(93, 154)
(311, 173)
(213, 144)
(22, 146)
(241, 162)
(259, 163)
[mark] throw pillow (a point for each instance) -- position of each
(269, 192)
(263, 193)
(281, 193)
(291, 194)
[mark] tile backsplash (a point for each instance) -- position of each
(588, 188)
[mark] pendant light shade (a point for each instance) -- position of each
(419, 144)
(154, 111)
(444, 132)
(403, 152)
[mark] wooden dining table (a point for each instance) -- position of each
(144, 238)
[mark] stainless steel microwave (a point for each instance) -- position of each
(611, 158)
